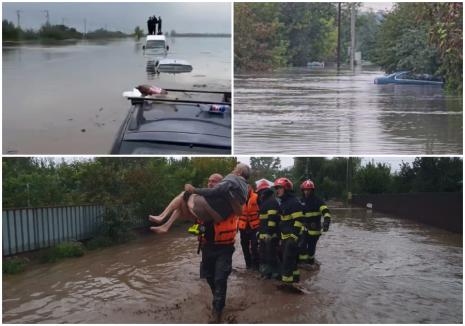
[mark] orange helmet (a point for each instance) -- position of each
(283, 182)
(307, 184)
(262, 185)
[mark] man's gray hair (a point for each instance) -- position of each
(243, 170)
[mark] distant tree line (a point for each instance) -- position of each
(422, 37)
(147, 184)
(46, 32)
(173, 33)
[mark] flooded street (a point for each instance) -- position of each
(298, 111)
(374, 269)
(67, 99)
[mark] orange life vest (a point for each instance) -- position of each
(250, 213)
(226, 230)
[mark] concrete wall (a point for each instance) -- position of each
(441, 209)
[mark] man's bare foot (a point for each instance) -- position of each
(156, 219)
(158, 229)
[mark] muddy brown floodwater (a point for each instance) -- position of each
(374, 269)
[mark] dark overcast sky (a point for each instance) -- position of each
(180, 16)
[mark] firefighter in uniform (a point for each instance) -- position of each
(291, 228)
(314, 209)
(268, 230)
(248, 226)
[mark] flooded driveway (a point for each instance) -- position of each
(374, 269)
(67, 99)
(299, 111)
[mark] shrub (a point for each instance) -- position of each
(14, 265)
(63, 250)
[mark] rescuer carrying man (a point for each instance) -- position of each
(216, 240)
(248, 227)
(314, 209)
(291, 228)
(268, 230)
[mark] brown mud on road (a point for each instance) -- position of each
(374, 269)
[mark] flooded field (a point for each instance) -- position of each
(374, 269)
(66, 99)
(298, 111)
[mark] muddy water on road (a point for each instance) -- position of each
(301, 111)
(374, 269)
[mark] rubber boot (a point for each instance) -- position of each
(215, 317)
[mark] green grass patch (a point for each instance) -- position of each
(63, 250)
(13, 265)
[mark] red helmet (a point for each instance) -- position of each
(283, 182)
(262, 185)
(307, 184)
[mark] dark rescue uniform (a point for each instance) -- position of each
(217, 244)
(314, 210)
(269, 235)
(290, 225)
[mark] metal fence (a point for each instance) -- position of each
(27, 229)
(440, 209)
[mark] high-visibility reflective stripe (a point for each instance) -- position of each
(311, 257)
(327, 215)
(312, 214)
(194, 229)
(272, 212)
(322, 207)
(298, 224)
(296, 273)
(304, 257)
(292, 216)
(271, 223)
(288, 235)
(263, 216)
(264, 236)
(287, 279)
(314, 232)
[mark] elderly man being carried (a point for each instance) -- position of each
(215, 204)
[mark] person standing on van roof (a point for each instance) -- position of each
(159, 25)
(149, 26)
(155, 23)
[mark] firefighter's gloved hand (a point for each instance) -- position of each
(326, 226)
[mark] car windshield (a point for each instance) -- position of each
(157, 44)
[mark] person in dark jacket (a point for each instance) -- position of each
(149, 26)
(314, 210)
(291, 228)
(159, 25)
(268, 234)
(215, 204)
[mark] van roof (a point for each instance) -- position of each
(156, 38)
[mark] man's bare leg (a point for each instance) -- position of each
(182, 212)
(165, 227)
(173, 205)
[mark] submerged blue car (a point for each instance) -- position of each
(409, 78)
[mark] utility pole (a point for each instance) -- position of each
(85, 28)
(47, 17)
(18, 14)
(352, 37)
(338, 36)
